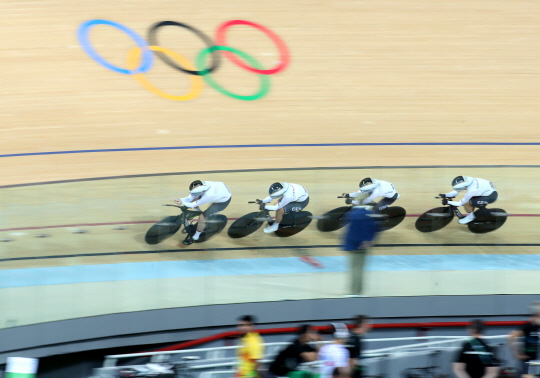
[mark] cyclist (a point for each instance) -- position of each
(202, 192)
(375, 188)
(480, 192)
(291, 197)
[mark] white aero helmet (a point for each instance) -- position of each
(461, 182)
(198, 187)
(368, 184)
(278, 189)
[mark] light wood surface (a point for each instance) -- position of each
(385, 71)
(361, 72)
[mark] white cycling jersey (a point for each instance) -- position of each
(478, 187)
(385, 189)
(217, 193)
(295, 193)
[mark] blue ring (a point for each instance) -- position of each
(148, 56)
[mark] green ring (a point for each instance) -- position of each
(265, 80)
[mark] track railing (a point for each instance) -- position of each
(207, 362)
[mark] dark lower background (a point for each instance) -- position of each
(71, 348)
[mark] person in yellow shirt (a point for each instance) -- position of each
(251, 348)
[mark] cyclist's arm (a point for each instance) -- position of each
(201, 201)
(355, 194)
(371, 198)
(188, 198)
(452, 194)
(281, 204)
(464, 200)
(267, 199)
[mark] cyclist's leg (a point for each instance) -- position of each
(480, 202)
(201, 223)
(216, 208)
(212, 210)
(279, 214)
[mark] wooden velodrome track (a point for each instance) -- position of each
(421, 91)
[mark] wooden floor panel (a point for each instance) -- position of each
(384, 72)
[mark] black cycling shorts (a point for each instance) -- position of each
(215, 208)
(295, 206)
(483, 200)
(385, 202)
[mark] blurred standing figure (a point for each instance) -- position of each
(359, 238)
(299, 351)
(362, 325)
(475, 359)
(335, 357)
(251, 348)
(529, 332)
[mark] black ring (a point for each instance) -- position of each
(152, 40)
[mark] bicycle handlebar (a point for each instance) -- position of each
(185, 209)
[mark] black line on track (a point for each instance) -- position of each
(260, 170)
(267, 247)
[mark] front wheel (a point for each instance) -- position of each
(333, 220)
(246, 225)
(434, 219)
(163, 229)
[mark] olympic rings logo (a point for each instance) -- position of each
(137, 67)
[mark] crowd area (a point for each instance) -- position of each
(342, 357)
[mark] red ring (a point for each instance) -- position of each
(285, 57)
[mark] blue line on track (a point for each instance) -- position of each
(266, 146)
(238, 267)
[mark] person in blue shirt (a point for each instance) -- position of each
(359, 237)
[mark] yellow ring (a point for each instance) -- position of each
(196, 80)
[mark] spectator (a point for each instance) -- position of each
(359, 238)
(251, 348)
(529, 332)
(335, 356)
(476, 359)
(297, 352)
(362, 325)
